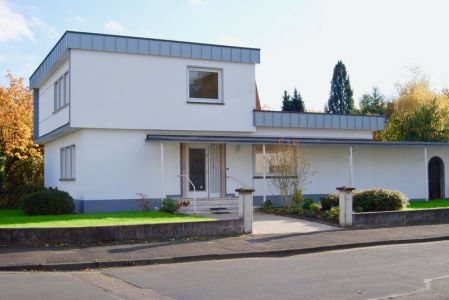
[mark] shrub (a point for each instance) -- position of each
(329, 201)
(333, 213)
(297, 197)
(169, 205)
(370, 200)
(11, 197)
(379, 200)
(267, 206)
(307, 203)
(47, 202)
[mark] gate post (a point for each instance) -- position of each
(246, 208)
(345, 205)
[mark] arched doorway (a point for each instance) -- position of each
(436, 178)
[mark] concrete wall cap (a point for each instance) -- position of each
(345, 188)
(245, 190)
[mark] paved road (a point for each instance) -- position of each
(417, 271)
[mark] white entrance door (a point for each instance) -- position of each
(203, 169)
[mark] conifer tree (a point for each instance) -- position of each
(340, 99)
(286, 103)
(297, 104)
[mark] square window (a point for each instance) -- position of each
(204, 85)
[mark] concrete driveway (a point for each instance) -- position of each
(271, 224)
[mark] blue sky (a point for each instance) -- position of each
(380, 41)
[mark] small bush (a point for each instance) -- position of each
(11, 197)
(297, 197)
(267, 206)
(379, 200)
(332, 213)
(307, 203)
(47, 202)
(169, 205)
(329, 201)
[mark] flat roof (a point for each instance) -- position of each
(277, 140)
(140, 45)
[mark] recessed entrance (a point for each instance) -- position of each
(436, 178)
(204, 168)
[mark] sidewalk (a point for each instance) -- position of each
(77, 258)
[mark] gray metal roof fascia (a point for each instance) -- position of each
(140, 45)
(282, 119)
(276, 140)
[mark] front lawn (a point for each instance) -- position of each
(431, 204)
(15, 218)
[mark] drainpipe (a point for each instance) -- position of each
(427, 175)
(162, 172)
(351, 168)
(264, 174)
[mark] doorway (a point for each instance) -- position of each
(436, 178)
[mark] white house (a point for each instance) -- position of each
(124, 115)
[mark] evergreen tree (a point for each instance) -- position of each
(286, 103)
(297, 104)
(373, 104)
(340, 100)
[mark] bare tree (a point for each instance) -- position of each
(290, 168)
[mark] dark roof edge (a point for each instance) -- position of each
(275, 140)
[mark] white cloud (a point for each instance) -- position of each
(114, 27)
(41, 25)
(196, 2)
(13, 25)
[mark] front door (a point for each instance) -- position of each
(203, 170)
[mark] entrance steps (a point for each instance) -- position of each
(212, 205)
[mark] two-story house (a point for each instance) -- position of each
(124, 115)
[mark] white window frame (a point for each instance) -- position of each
(267, 154)
(68, 163)
(220, 86)
(61, 88)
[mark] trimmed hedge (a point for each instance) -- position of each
(47, 202)
(370, 200)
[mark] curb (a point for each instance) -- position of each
(78, 266)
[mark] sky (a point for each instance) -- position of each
(379, 41)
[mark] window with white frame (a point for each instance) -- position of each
(68, 163)
(204, 85)
(61, 92)
(259, 159)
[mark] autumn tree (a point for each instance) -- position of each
(418, 113)
(22, 159)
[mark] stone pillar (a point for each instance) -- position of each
(246, 208)
(345, 205)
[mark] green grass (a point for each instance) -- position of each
(15, 218)
(432, 204)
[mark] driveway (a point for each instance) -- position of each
(271, 224)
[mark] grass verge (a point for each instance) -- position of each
(16, 218)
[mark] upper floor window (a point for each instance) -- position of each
(67, 159)
(61, 92)
(205, 85)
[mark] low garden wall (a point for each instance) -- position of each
(401, 218)
(122, 233)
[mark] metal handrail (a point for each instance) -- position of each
(194, 191)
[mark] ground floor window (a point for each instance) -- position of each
(68, 163)
(259, 159)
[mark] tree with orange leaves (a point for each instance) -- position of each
(21, 158)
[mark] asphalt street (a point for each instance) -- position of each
(412, 271)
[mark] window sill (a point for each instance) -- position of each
(67, 179)
(205, 102)
(61, 108)
(271, 176)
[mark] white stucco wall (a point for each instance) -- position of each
(48, 119)
(130, 91)
(239, 170)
